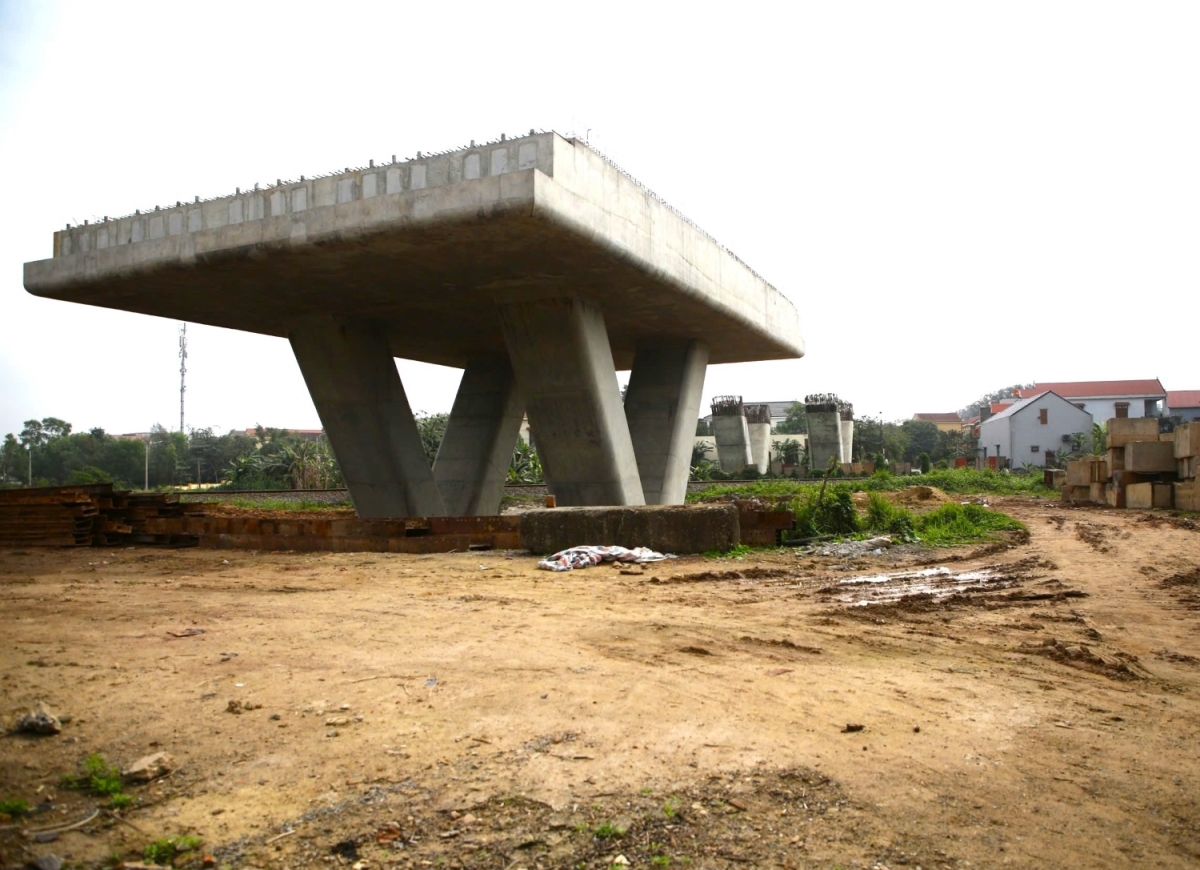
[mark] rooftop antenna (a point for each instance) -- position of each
(182, 369)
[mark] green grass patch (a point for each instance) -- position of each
(14, 807)
(167, 849)
(737, 552)
(97, 777)
(609, 831)
(284, 504)
(958, 481)
(953, 524)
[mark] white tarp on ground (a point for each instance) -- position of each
(586, 557)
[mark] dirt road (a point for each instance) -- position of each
(1036, 704)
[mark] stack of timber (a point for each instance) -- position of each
(89, 515)
(1142, 468)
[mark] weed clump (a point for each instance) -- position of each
(14, 807)
(957, 524)
(167, 849)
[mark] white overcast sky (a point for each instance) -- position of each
(957, 196)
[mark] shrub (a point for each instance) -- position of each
(925, 463)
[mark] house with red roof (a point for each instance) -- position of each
(1184, 403)
(1107, 399)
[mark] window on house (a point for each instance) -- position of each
(1044, 415)
(1035, 449)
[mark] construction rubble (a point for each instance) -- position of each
(1141, 469)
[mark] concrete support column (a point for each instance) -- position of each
(564, 368)
(760, 445)
(472, 462)
(847, 440)
(824, 438)
(733, 442)
(352, 378)
(662, 406)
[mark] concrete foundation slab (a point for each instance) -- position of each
(661, 407)
(476, 450)
(352, 378)
(564, 368)
(690, 529)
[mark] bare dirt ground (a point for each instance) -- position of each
(1032, 705)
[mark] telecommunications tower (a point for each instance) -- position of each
(182, 370)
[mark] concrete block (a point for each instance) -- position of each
(1164, 495)
(1150, 457)
(1099, 470)
(1126, 478)
(1077, 494)
(1139, 495)
(1079, 472)
(1187, 467)
(1187, 496)
(1122, 430)
(1096, 492)
(668, 529)
(1114, 496)
(1116, 459)
(1187, 440)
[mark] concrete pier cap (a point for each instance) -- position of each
(427, 255)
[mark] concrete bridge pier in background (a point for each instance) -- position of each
(731, 433)
(473, 459)
(758, 426)
(352, 378)
(661, 407)
(565, 375)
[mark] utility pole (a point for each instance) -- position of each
(146, 487)
(29, 447)
(182, 370)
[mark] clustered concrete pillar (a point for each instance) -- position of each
(559, 370)
(824, 430)
(661, 406)
(731, 433)
(758, 426)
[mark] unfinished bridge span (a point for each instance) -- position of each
(534, 264)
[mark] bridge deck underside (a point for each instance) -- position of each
(434, 289)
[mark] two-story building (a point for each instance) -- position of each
(1107, 399)
(1025, 431)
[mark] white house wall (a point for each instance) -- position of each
(1025, 430)
(1103, 410)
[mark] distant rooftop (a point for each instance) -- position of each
(938, 418)
(1152, 388)
(1183, 399)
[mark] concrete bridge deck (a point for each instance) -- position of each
(534, 263)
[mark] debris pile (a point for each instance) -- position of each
(1141, 469)
(86, 515)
